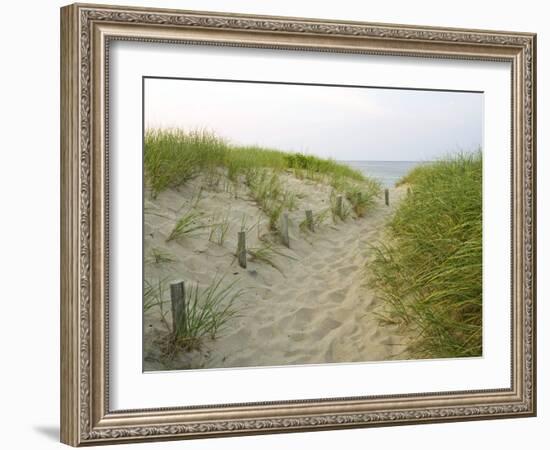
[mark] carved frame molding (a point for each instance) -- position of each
(86, 32)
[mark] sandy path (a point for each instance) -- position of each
(318, 311)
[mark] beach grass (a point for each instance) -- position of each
(429, 271)
(268, 192)
(206, 312)
(310, 165)
(338, 210)
(221, 223)
(362, 197)
(159, 256)
(186, 225)
(151, 294)
(153, 297)
(318, 219)
(174, 156)
(171, 158)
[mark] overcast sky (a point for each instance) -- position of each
(337, 122)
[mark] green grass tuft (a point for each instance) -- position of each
(185, 226)
(153, 297)
(360, 195)
(205, 315)
(158, 256)
(206, 312)
(319, 218)
(173, 156)
(430, 271)
(338, 213)
(268, 192)
(309, 166)
(266, 253)
(220, 227)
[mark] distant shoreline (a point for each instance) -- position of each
(387, 172)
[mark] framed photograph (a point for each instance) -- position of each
(275, 224)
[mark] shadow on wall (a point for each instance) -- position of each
(49, 431)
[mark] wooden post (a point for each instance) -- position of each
(408, 191)
(284, 230)
(339, 207)
(387, 196)
(241, 248)
(177, 295)
(309, 219)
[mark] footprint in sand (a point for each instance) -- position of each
(304, 315)
(267, 332)
(241, 335)
(375, 335)
(388, 340)
(343, 314)
(350, 241)
(324, 327)
(337, 296)
(330, 353)
(284, 323)
(283, 294)
(320, 276)
(291, 353)
(337, 262)
(348, 270)
(315, 294)
(298, 337)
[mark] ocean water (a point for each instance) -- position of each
(387, 172)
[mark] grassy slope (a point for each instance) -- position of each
(430, 273)
(173, 156)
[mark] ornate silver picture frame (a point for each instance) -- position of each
(87, 413)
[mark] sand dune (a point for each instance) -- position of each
(315, 309)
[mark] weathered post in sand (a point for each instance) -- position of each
(309, 220)
(339, 206)
(387, 196)
(177, 295)
(241, 249)
(284, 230)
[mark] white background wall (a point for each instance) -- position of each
(29, 224)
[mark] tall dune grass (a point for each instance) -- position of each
(173, 156)
(206, 313)
(268, 192)
(430, 271)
